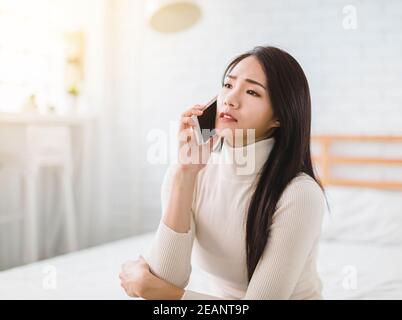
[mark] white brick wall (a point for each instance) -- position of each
(355, 75)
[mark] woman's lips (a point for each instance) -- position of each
(227, 117)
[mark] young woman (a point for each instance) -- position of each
(255, 233)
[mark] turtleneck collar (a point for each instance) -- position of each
(245, 162)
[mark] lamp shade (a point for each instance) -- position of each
(172, 15)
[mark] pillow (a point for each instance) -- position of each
(363, 215)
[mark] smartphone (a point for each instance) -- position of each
(204, 127)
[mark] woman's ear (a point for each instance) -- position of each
(275, 124)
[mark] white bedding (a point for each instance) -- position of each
(360, 257)
(361, 247)
(93, 273)
(355, 271)
(87, 274)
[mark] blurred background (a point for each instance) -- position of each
(84, 83)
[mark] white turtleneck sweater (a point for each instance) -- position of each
(216, 240)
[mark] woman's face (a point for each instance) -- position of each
(243, 103)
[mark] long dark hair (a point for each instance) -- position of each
(290, 97)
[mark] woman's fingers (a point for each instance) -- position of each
(132, 273)
(185, 134)
(188, 114)
(129, 264)
(124, 283)
(197, 109)
(188, 121)
(128, 291)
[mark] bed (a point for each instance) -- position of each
(360, 254)
(361, 244)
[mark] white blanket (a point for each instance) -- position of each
(348, 272)
(356, 271)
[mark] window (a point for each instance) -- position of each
(33, 50)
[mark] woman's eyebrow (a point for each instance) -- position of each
(248, 80)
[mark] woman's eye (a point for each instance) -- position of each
(255, 94)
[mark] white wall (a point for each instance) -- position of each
(354, 74)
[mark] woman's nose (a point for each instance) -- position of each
(231, 101)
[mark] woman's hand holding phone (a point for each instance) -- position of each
(191, 156)
(177, 215)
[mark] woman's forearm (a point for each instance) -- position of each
(178, 210)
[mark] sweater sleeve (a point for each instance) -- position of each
(295, 228)
(169, 255)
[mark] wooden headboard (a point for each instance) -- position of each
(326, 160)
